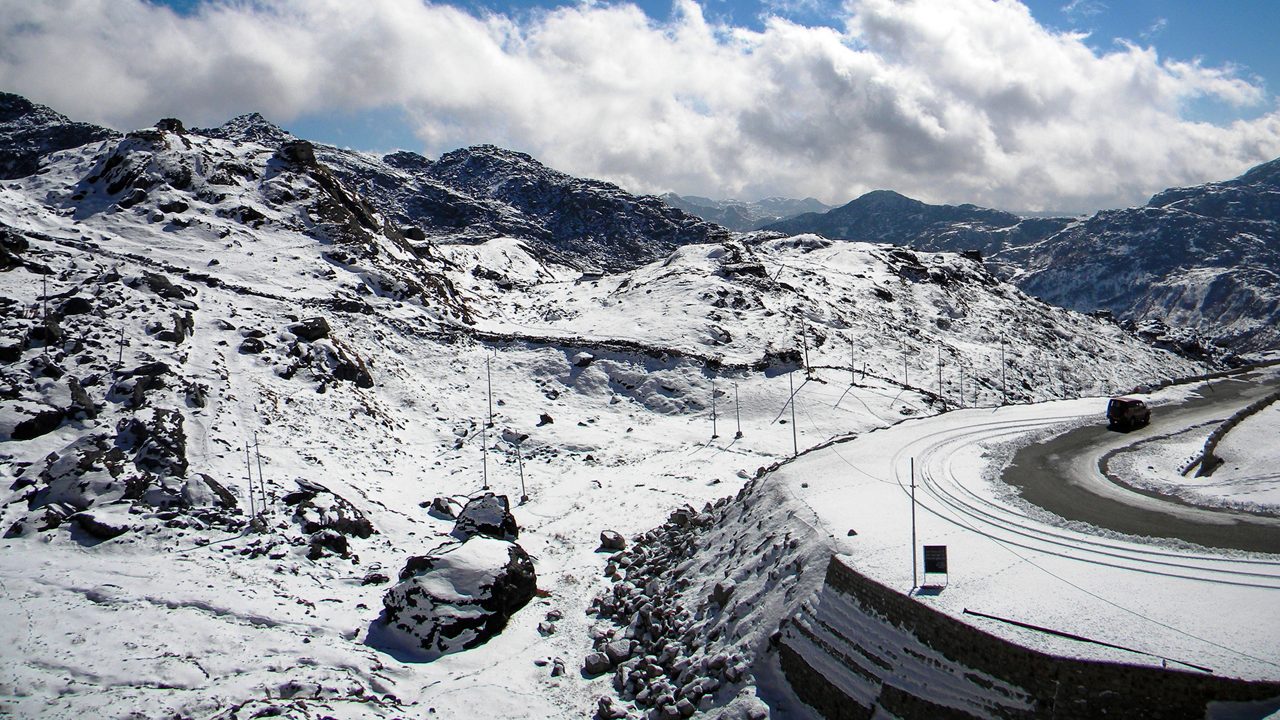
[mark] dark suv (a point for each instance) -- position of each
(1127, 413)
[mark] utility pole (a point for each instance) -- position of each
(524, 496)
(262, 485)
(1004, 393)
(795, 442)
(960, 366)
(44, 311)
(488, 378)
(914, 584)
(253, 511)
(714, 432)
(804, 341)
(853, 379)
(737, 412)
(120, 356)
(484, 455)
(940, 397)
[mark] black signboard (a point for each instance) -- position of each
(935, 558)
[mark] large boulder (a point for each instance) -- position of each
(458, 599)
(488, 515)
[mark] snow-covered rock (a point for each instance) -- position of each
(459, 598)
(488, 515)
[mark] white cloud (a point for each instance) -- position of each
(946, 100)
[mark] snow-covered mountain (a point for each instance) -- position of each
(886, 216)
(250, 413)
(1201, 262)
(744, 216)
(1196, 268)
(476, 193)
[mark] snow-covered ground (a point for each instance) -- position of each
(1164, 600)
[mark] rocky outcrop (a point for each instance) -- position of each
(29, 132)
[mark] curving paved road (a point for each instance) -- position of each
(1062, 475)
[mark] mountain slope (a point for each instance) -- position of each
(1203, 262)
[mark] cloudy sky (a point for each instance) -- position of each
(1059, 104)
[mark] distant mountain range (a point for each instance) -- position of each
(744, 216)
(1197, 267)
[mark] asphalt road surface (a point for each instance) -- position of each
(1063, 475)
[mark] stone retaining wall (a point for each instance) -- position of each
(875, 648)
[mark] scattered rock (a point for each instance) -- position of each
(544, 419)
(596, 663)
(612, 541)
(722, 591)
(42, 423)
(311, 329)
(317, 508)
(102, 524)
(374, 578)
(488, 515)
(252, 346)
(327, 542)
(442, 508)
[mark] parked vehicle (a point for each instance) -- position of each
(1127, 413)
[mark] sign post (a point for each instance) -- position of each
(935, 559)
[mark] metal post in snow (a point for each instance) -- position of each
(524, 496)
(944, 402)
(804, 341)
(853, 379)
(737, 413)
(795, 442)
(253, 511)
(120, 356)
(488, 377)
(484, 455)
(262, 485)
(44, 310)
(914, 584)
(714, 432)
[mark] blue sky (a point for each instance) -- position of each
(1063, 105)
